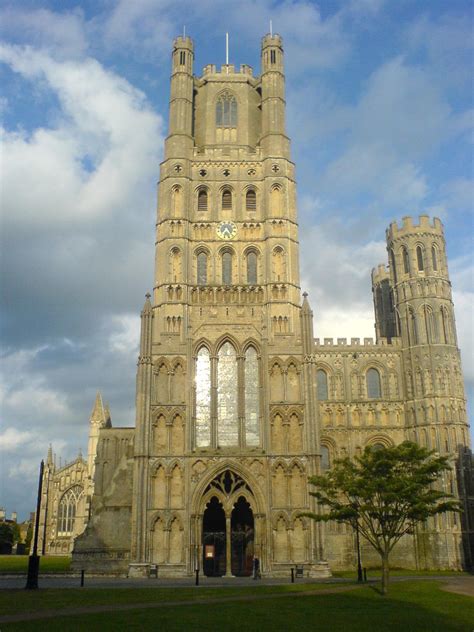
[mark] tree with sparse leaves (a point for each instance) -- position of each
(384, 493)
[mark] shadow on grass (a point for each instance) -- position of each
(413, 607)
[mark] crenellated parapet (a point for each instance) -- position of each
(408, 227)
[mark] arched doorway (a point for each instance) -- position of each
(228, 527)
(213, 539)
(242, 533)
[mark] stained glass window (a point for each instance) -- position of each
(252, 405)
(227, 413)
(68, 509)
(203, 398)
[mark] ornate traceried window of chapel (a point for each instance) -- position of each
(226, 110)
(218, 382)
(68, 509)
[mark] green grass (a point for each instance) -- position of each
(411, 606)
(57, 598)
(19, 564)
(373, 573)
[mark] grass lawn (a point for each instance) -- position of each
(19, 564)
(373, 573)
(410, 606)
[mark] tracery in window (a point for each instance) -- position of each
(322, 384)
(252, 403)
(227, 268)
(251, 268)
(68, 509)
(226, 110)
(203, 398)
(227, 416)
(374, 390)
(202, 268)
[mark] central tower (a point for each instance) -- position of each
(223, 447)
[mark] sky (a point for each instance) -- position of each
(380, 113)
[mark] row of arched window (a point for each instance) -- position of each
(372, 378)
(429, 326)
(226, 266)
(226, 200)
(326, 460)
(421, 260)
(226, 260)
(222, 418)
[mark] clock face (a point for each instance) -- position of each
(226, 230)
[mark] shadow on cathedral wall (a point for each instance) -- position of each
(465, 481)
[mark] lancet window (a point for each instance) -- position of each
(374, 388)
(202, 268)
(322, 384)
(252, 268)
(224, 417)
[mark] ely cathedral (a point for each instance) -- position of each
(237, 402)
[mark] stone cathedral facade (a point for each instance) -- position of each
(237, 402)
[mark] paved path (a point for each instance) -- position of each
(460, 585)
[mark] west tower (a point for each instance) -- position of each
(220, 416)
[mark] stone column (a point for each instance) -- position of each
(228, 547)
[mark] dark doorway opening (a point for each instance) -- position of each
(242, 529)
(214, 539)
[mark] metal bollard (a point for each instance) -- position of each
(365, 575)
(82, 578)
(197, 576)
(292, 575)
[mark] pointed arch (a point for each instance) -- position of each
(278, 264)
(276, 200)
(177, 202)
(227, 399)
(420, 258)
(405, 259)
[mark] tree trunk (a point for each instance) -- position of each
(385, 573)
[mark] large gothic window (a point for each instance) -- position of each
(222, 417)
(227, 415)
(68, 509)
(226, 111)
(252, 404)
(203, 398)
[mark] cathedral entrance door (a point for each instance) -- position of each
(214, 540)
(242, 530)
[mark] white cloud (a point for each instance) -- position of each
(11, 438)
(104, 121)
(126, 337)
(61, 33)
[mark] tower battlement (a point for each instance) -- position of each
(272, 40)
(380, 273)
(228, 70)
(183, 42)
(408, 227)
